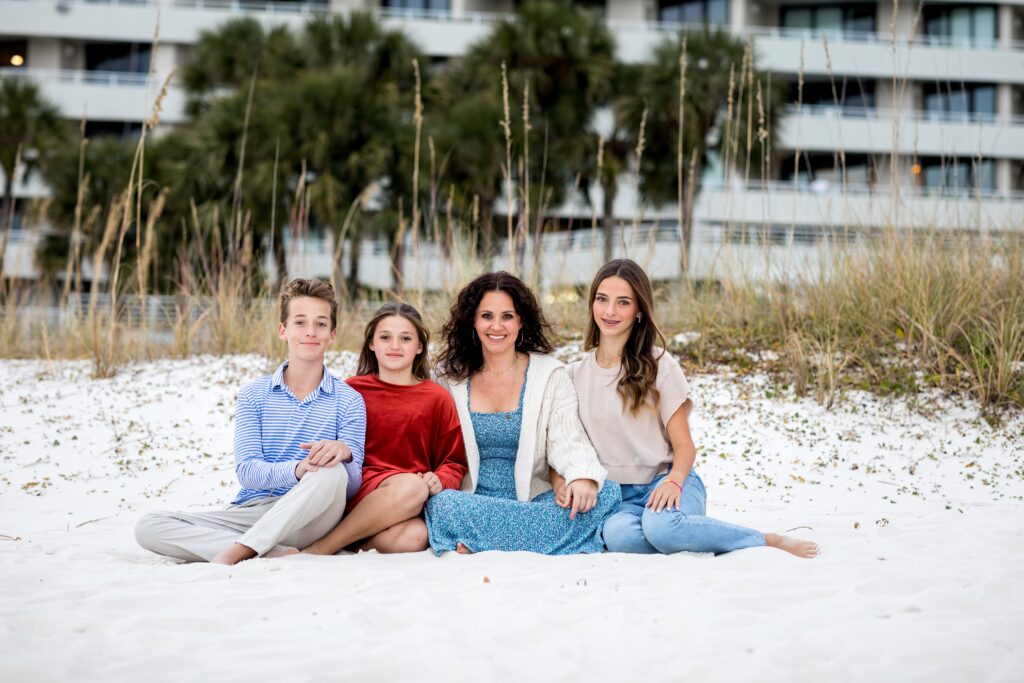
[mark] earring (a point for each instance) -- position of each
(476, 339)
(639, 316)
(519, 337)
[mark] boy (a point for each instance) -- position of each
(299, 437)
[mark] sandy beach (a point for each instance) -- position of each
(918, 507)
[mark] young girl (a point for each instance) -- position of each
(414, 446)
(635, 404)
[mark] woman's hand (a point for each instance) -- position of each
(434, 485)
(666, 495)
(558, 486)
(582, 496)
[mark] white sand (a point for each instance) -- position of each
(919, 513)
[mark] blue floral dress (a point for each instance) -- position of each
(493, 519)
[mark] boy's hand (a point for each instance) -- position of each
(326, 453)
(433, 483)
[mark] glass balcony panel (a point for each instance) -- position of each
(985, 32)
(960, 25)
(718, 12)
(985, 100)
(693, 13)
(796, 18)
(830, 20)
(957, 102)
(985, 173)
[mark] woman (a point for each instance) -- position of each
(413, 442)
(635, 404)
(519, 421)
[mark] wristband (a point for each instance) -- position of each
(674, 482)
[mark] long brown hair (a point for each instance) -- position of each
(462, 354)
(639, 370)
(368, 364)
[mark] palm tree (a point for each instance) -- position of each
(325, 107)
(561, 56)
(719, 66)
(228, 57)
(364, 117)
(105, 163)
(30, 129)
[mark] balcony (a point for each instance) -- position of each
(104, 95)
(438, 33)
(825, 128)
(861, 207)
(448, 33)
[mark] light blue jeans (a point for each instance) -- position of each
(637, 529)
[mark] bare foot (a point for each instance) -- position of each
(281, 551)
(233, 555)
(461, 549)
(793, 546)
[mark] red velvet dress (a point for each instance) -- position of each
(409, 429)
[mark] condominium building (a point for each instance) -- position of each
(910, 115)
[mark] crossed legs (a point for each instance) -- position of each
(387, 518)
(262, 527)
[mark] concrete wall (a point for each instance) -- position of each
(824, 131)
(627, 10)
(43, 53)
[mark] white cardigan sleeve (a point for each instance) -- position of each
(568, 449)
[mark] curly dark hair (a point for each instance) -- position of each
(461, 355)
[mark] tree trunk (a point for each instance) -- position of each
(608, 217)
(281, 261)
(486, 228)
(5, 220)
(686, 229)
(354, 254)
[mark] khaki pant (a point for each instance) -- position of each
(297, 519)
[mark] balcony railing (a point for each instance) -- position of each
(874, 113)
(268, 6)
(80, 76)
(882, 36)
(860, 189)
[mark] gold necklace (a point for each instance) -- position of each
(501, 372)
(605, 361)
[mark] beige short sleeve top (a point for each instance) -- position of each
(633, 448)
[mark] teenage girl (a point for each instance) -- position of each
(635, 403)
(414, 446)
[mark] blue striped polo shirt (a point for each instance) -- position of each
(270, 423)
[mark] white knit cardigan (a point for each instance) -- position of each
(551, 434)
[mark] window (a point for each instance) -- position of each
(13, 54)
(961, 24)
(120, 129)
(849, 93)
(834, 19)
(694, 11)
(953, 175)
(948, 100)
(119, 57)
(421, 5)
(825, 171)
